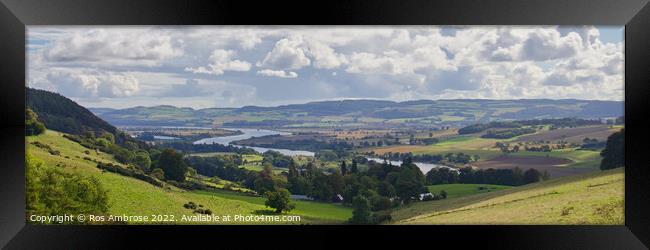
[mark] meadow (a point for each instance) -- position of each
(460, 190)
(129, 196)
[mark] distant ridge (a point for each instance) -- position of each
(467, 111)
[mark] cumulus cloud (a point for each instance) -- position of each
(221, 61)
(287, 54)
(333, 62)
(368, 63)
(94, 84)
(544, 44)
(191, 88)
(131, 47)
(278, 73)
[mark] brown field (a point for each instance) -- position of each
(439, 133)
(571, 135)
(555, 166)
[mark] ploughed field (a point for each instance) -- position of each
(557, 167)
(591, 198)
(572, 135)
(130, 196)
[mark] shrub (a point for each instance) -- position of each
(381, 203)
(361, 213)
(32, 125)
(158, 173)
(190, 205)
(53, 192)
(46, 147)
(228, 186)
(279, 200)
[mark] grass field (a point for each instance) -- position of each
(467, 144)
(259, 167)
(129, 196)
(460, 190)
(592, 198)
(210, 154)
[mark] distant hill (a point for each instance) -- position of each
(454, 112)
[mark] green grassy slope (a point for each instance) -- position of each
(459, 190)
(129, 196)
(593, 198)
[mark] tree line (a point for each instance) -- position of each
(555, 124)
(468, 175)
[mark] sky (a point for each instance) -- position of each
(235, 66)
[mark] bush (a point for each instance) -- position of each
(279, 200)
(381, 203)
(361, 213)
(32, 125)
(379, 218)
(142, 160)
(614, 152)
(53, 192)
(228, 186)
(171, 162)
(190, 205)
(158, 173)
(46, 147)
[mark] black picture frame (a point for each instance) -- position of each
(634, 14)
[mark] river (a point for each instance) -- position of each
(424, 167)
(248, 133)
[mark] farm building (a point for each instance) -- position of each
(301, 197)
(425, 195)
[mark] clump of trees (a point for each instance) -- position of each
(313, 145)
(172, 164)
(189, 147)
(52, 192)
(280, 200)
(361, 213)
(614, 152)
(509, 177)
(508, 133)
(32, 125)
(459, 158)
(224, 167)
(276, 159)
(555, 124)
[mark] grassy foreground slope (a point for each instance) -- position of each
(459, 189)
(130, 196)
(593, 198)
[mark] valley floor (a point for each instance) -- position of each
(130, 196)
